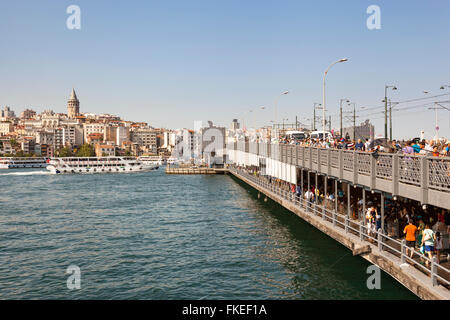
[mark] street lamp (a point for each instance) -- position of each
(386, 87)
(354, 120)
(390, 118)
(436, 126)
(254, 115)
(314, 115)
(276, 103)
(323, 98)
(340, 110)
(437, 106)
(283, 121)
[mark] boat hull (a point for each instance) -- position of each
(90, 170)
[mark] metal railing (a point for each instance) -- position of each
(436, 272)
(418, 175)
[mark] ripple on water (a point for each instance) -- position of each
(152, 236)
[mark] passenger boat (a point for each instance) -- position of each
(152, 160)
(172, 160)
(97, 165)
(22, 163)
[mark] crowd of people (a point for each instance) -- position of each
(425, 237)
(434, 148)
(424, 229)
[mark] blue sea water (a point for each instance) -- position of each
(154, 236)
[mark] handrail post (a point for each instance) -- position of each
(395, 174)
(319, 165)
(334, 218)
(328, 161)
(355, 167)
(341, 164)
(303, 157)
(380, 244)
(424, 179)
(361, 231)
(324, 204)
(346, 224)
(433, 271)
(403, 253)
(373, 172)
(310, 158)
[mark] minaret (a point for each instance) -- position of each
(73, 105)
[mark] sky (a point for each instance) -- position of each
(170, 63)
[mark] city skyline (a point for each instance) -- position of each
(170, 65)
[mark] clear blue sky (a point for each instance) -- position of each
(173, 62)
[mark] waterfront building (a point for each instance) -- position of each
(27, 144)
(110, 134)
(6, 127)
(27, 114)
(130, 147)
(46, 150)
(72, 135)
(94, 138)
(145, 138)
(364, 131)
(115, 134)
(95, 127)
(212, 144)
(104, 150)
(45, 136)
(108, 118)
(6, 146)
(122, 135)
(185, 145)
(7, 114)
(59, 137)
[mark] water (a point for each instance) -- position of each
(155, 236)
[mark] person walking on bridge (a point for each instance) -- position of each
(410, 232)
(428, 240)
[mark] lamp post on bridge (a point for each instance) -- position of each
(386, 87)
(323, 96)
(316, 105)
(340, 112)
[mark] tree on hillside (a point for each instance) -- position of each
(65, 152)
(86, 150)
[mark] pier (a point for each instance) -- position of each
(192, 170)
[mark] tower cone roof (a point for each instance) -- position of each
(73, 95)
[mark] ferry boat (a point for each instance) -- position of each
(22, 163)
(172, 160)
(152, 160)
(97, 165)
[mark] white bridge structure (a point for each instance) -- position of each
(421, 178)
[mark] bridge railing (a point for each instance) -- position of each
(437, 273)
(416, 174)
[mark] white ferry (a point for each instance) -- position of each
(22, 163)
(97, 165)
(152, 160)
(172, 160)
